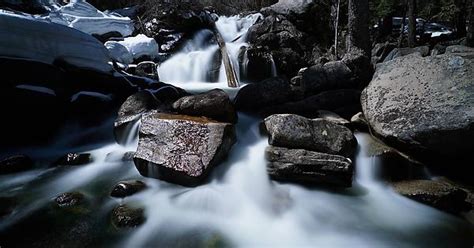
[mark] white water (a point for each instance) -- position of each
(241, 204)
(191, 64)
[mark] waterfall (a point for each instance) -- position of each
(194, 61)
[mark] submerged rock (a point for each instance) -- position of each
(127, 188)
(74, 159)
(308, 167)
(69, 199)
(424, 106)
(297, 132)
(439, 195)
(181, 149)
(14, 164)
(214, 104)
(125, 216)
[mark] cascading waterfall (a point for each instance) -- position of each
(240, 205)
(192, 63)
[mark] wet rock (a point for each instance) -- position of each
(214, 104)
(381, 51)
(215, 68)
(342, 102)
(283, 39)
(270, 92)
(127, 188)
(69, 199)
(359, 122)
(74, 159)
(259, 64)
(131, 111)
(423, 106)
(297, 132)
(181, 149)
(439, 195)
(330, 76)
(308, 167)
(147, 69)
(400, 52)
(14, 164)
(332, 117)
(125, 216)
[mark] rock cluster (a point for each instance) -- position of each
(314, 152)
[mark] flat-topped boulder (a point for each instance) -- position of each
(308, 167)
(181, 149)
(319, 135)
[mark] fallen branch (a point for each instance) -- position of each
(229, 69)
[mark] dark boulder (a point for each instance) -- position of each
(214, 104)
(14, 164)
(342, 102)
(308, 167)
(181, 149)
(270, 92)
(127, 188)
(440, 195)
(125, 216)
(424, 107)
(71, 199)
(74, 159)
(131, 111)
(257, 64)
(297, 132)
(381, 50)
(215, 67)
(147, 69)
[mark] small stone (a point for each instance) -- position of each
(70, 199)
(127, 188)
(124, 216)
(74, 159)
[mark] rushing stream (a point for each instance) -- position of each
(238, 206)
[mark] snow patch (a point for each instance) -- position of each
(26, 37)
(137, 47)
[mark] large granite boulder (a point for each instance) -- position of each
(308, 167)
(181, 149)
(424, 106)
(297, 132)
(214, 104)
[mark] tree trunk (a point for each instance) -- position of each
(411, 23)
(358, 25)
(470, 33)
(336, 28)
(460, 16)
(402, 29)
(229, 69)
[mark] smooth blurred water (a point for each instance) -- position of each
(239, 205)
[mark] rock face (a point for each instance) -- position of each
(214, 104)
(270, 92)
(297, 132)
(17, 163)
(439, 195)
(424, 105)
(308, 167)
(181, 149)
